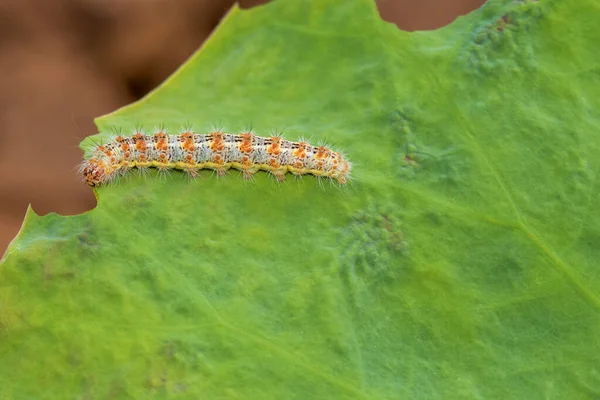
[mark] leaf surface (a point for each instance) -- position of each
(461, 261)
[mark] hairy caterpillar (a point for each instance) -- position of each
(190, 152)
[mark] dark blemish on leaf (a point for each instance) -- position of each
(490, 38)
(502, 22)
(402, 120)
(169, 350)
(86, 241)
(371, 242)
(52, 268)
(446, 166)
(410, 159)
(435, 218)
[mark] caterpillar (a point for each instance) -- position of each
(191, 152)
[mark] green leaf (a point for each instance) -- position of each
(461, 262)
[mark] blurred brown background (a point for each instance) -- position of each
(64, 62)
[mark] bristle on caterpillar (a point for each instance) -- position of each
(191, 152)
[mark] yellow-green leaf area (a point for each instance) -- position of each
(461, 262)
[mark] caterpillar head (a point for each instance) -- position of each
(94, 172)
